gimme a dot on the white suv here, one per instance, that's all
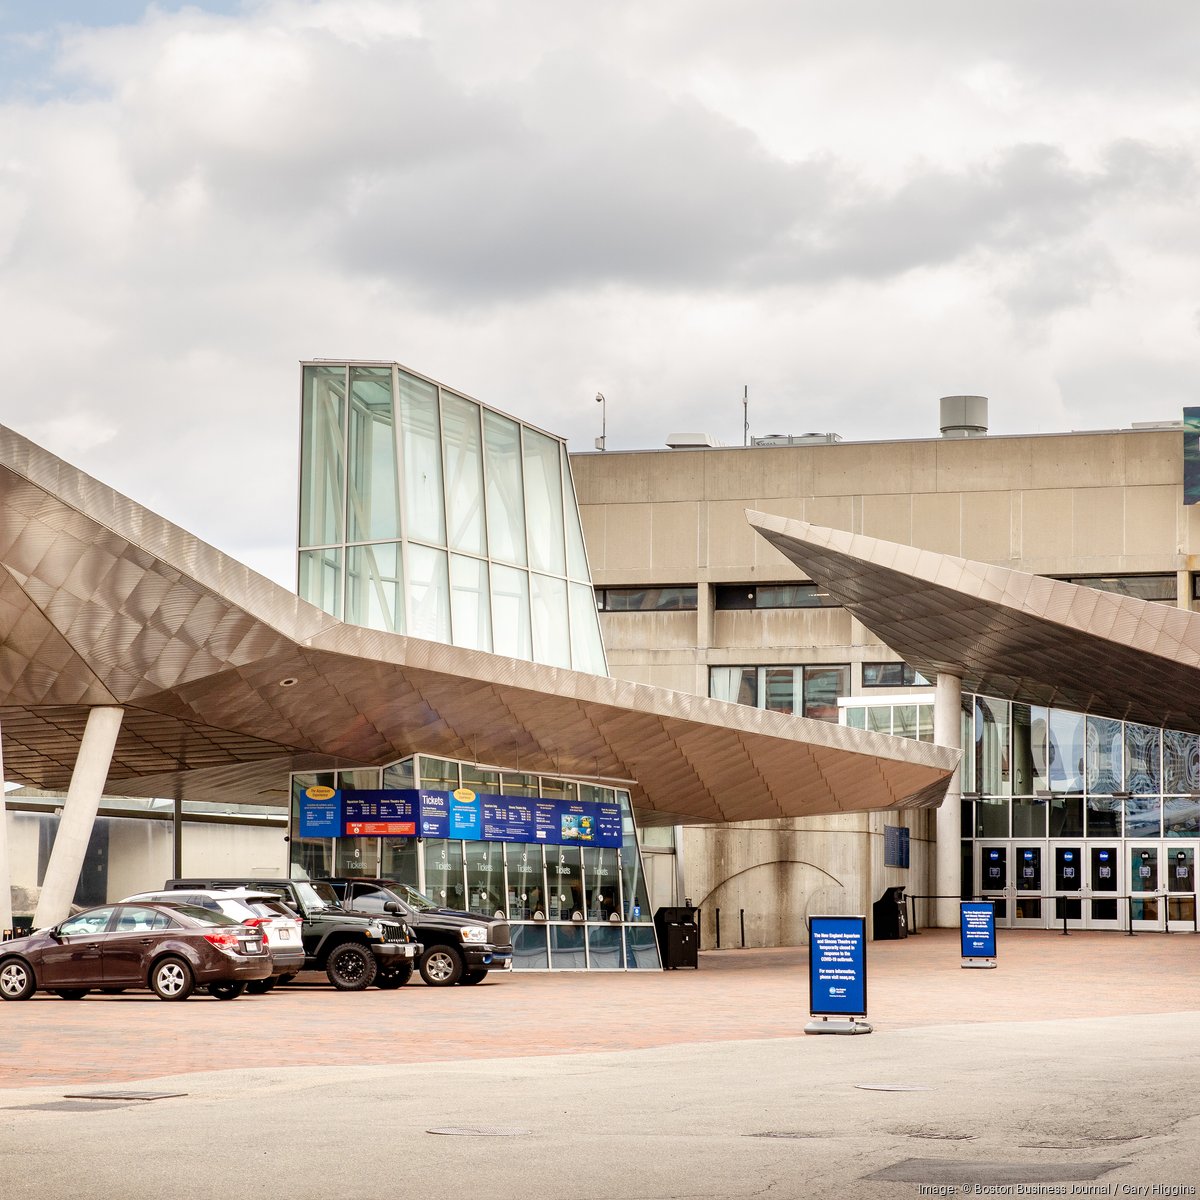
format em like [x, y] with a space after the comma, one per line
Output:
[263, 910]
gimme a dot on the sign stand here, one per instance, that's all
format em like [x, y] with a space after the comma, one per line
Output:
[977, 932]
[837, 975]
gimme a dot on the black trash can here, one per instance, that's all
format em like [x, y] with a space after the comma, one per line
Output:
[889, 915]
[678, 937]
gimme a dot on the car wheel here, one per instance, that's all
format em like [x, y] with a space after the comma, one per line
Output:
[72, 993]
[350, 967]
[16, 980]
[473, 977]
[260, 987]
[228, 990]
[441, 966]
[171, 978]
[390, 978]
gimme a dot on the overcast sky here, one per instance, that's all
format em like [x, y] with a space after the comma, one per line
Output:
[850, 208]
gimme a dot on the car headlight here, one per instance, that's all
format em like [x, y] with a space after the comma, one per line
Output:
[474, 933]
[375, 930]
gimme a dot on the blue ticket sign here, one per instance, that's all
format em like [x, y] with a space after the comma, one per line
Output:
[837, 966]
[321, 813]
[977, 928]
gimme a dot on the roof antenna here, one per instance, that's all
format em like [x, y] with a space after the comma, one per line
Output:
[745, 414]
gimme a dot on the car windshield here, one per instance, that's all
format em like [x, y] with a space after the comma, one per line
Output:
[413, 898]
[270, 908]
[202, 916]
[316, 895]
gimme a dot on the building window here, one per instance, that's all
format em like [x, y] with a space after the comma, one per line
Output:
[892, 674]
[647, 599]
[810, 691]
[734, 596]
[1159, 588]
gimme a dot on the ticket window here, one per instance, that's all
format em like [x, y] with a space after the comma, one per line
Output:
[1029, 880]
[1181, 884]
[994, 876]
[1068, 877]
[1143, 879]
[1104, 879]
[526, 883]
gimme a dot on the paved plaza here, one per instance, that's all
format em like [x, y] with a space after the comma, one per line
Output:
[1069, 1070]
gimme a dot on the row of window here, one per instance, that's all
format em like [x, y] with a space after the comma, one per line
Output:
[808, 690]
[1075, 817]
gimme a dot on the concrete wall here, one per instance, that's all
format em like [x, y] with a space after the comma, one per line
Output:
[1070, 504]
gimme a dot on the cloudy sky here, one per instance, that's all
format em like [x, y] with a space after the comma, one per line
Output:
[850, 208]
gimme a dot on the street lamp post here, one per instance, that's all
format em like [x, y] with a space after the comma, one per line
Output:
[603, 421]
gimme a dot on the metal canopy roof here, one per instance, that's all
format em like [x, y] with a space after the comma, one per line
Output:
[1008, 633]
[229, 681]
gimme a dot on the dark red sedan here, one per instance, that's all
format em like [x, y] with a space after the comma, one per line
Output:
[170, 948]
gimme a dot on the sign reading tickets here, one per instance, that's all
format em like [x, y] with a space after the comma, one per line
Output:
[837, 966]
[463, 815]
[977, 928]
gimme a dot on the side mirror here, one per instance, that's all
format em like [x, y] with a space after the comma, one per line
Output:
[392, 907]
[55, 933]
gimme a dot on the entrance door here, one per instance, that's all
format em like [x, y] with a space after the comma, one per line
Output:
[1028, 905]
[1068, 883]
[993, 878]
[1104, 910]
[1181, 887]
[1145, 907]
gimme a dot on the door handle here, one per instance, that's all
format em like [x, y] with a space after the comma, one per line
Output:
[147, 941]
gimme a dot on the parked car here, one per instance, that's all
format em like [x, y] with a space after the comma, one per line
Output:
[281, 928]
[171, 949]
[353, 949]
[460, 947]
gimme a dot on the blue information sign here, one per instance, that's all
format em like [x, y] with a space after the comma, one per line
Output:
[837, 966]
[321, 818]
[977, 928]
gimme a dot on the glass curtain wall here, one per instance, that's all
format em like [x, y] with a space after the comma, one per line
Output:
[426, 513]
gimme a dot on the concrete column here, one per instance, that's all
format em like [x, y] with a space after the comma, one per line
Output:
[947, 731]
[78, 815]
[6, 915]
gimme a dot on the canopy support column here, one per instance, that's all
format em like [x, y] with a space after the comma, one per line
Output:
[947, 731]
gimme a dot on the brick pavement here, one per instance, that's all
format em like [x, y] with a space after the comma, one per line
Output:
[736, 995]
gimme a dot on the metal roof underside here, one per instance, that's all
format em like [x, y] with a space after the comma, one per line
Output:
[105, 603]
[1008, 633]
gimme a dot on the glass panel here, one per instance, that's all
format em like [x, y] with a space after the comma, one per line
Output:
[551, 630]
[633, 881]
[321, 579]
[423, 516]
[648, 599]
[374, 587]
[464, 474]
[605, 948]
[309, 857]
[992, 775]
[559, 789]
[1066, 816]
[1181, 762]
[526, 882]
[1103, 817]
[603, 883]
[736, 684]
[587, 650]
[543, 502]
[366, 779]
[879, 718]
[1029, 818]
[822, 687]
[1025, 779]
[991, 818]
[567, 951]
[511, 634]
[779, 687]
[439, 774]
[479, 779]
[428, 594]
[1065, 750]
[321, 455]
[357, 856]
[1142, 774]
[1143, 817]
[1104, 754]
[400, 859]
[1143, 877]
[485, 878]
[530, 948]
[577, 565]
[1181, 816]
[470, 603]
[505, 508]
[518, 785]
[856, 718]
[372, 498]
[401, 774]
[966, 728]
[641, 949]
[564, 879]
[904, 720]
[444, 872]
[925, 722]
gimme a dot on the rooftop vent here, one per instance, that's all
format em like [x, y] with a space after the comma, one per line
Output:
[964, 416]
[691, 441]
[797, 439]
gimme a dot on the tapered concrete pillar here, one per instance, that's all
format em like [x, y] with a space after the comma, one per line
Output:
[947, 731]
[78, 815]
[6, 914]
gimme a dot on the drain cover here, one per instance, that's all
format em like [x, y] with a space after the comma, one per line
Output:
[967, 1175]
[479, 1131]
[122, 1095]
[892, 1087]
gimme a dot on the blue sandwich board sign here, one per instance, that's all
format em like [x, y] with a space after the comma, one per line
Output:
[837, 966]
[977, 932]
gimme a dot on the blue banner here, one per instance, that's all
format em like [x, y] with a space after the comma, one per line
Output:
[321, 816]
[837, 966]
[977, 928]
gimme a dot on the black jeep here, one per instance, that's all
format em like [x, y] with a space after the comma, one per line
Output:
[460, 947]
[354, 949]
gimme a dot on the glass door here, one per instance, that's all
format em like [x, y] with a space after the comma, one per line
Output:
[992, 873]
[1145, 904]
[1181, 887]
[1028, 906]
[1068, 882]
[1104, 908]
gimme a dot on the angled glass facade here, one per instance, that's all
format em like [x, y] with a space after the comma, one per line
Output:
[426, 513]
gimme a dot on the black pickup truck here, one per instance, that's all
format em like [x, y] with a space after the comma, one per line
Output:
[354, 949]
[460, 947]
